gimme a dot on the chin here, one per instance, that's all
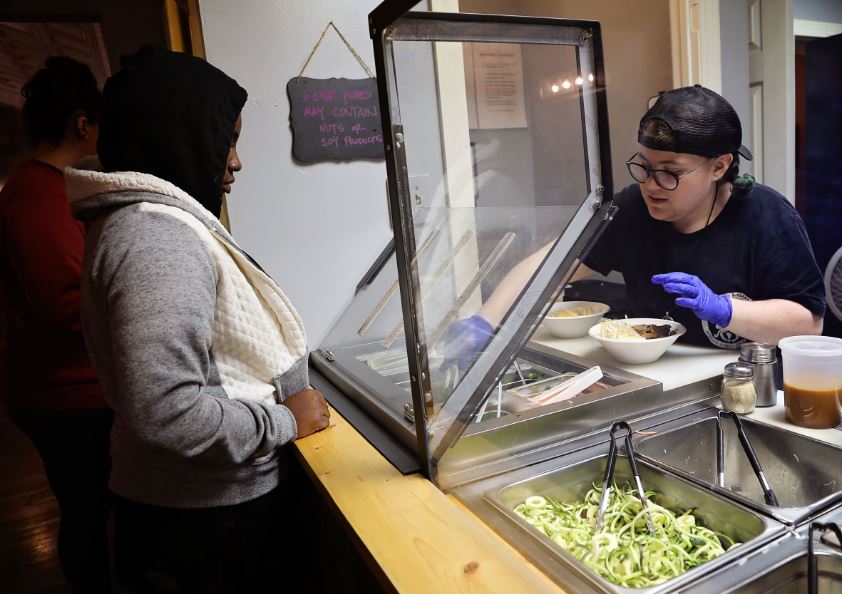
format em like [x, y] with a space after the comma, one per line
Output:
[658, 214]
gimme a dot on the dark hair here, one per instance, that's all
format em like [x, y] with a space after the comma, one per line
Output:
[733, 170]
[64, 89]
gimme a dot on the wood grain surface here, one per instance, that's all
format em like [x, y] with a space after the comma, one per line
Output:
[423, 540]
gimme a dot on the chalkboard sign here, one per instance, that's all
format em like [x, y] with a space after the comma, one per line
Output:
[334, 118]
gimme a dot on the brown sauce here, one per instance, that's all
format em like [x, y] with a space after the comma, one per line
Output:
[816, 409]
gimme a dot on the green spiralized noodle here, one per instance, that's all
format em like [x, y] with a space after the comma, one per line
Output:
[624, 552]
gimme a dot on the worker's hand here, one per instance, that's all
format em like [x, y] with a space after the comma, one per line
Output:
[464, 341]
[310, 410]
[696, 296]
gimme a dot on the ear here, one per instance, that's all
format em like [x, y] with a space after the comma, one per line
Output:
[82, 127]
[721, 165]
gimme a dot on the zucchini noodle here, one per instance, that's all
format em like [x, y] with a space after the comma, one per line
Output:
[624, 552]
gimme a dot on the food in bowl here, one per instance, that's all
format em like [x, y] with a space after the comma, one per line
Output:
[622, 329]
[623, 342]
[650, 331]
[575, 312]
[571, 319]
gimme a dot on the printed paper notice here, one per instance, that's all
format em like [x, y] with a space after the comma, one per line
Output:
[498, 72]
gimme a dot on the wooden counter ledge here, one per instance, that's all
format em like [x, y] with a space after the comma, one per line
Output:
[423, 540]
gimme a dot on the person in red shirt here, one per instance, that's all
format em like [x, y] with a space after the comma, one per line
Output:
[50, 389]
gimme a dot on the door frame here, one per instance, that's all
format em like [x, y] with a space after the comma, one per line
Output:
[817, 29]
[696, 46]
[183, 24]
[697, 59]
[184, 27]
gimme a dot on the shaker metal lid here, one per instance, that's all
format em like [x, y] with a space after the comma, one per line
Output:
[757, 352]
[738, 370]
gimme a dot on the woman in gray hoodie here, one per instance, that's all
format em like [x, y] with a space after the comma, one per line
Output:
[202, 357]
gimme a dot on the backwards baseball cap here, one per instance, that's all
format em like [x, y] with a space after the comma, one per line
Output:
[697, 121]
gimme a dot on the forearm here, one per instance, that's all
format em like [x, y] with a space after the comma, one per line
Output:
[501, 299]
[769, 321]
[504, 295]
[196, 423]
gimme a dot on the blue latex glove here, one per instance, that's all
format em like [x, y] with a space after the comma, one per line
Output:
[696, 296]
[464, 340]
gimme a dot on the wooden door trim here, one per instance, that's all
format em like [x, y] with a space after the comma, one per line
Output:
[184, 27]
[696, 44]
[805, 28]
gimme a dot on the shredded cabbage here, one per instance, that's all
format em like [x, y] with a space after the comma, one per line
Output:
[624, 552]
[618, 329]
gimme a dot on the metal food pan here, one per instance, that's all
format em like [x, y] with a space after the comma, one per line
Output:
[569, 477]
[805, 474]
[790, 576]
[781, 567]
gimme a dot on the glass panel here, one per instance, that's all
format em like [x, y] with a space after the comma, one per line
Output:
[495, 169]
[498, 168]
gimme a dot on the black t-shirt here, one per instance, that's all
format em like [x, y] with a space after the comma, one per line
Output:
[756, 249]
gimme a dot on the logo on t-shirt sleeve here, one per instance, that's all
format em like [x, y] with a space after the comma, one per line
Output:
[721, 337]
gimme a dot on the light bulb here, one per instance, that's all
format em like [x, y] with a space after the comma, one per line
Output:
[566, 84]
[579, 80]
[590, 77]
[554, 88]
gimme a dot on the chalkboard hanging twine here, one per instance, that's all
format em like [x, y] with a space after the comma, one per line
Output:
[342, 37]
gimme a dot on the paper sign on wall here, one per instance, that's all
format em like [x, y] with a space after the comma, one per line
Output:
[498, 78]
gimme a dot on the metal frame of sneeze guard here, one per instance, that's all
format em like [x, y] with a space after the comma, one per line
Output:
[391, 22]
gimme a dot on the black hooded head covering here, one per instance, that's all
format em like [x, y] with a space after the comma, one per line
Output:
[171, 115]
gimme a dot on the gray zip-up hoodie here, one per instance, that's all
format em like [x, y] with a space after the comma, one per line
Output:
[195, 346]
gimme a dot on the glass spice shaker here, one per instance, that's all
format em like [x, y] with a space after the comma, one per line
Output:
[738, 393]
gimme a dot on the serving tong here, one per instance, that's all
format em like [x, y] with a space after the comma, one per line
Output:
[609, 475]
[768, 493]
[812, 561]
[481, 413]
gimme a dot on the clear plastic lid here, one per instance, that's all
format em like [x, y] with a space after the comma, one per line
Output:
[812, 347]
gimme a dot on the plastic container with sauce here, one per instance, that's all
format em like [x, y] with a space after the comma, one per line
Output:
[812, 380]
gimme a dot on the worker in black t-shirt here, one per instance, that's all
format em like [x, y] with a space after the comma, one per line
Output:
[695, 241]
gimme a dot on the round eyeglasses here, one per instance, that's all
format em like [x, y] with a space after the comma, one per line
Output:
[665, 179]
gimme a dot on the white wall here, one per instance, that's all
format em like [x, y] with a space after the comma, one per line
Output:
[733, 35]
[638, 61]
[317, 228]
[818, 10]
[314, 228]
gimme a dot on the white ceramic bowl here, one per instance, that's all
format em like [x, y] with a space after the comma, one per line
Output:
[638, 351]
[575, 326]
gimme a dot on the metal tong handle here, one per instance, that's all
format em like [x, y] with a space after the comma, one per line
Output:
[720, 453]
[609, 475]
[768, 493]
[812, 561]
